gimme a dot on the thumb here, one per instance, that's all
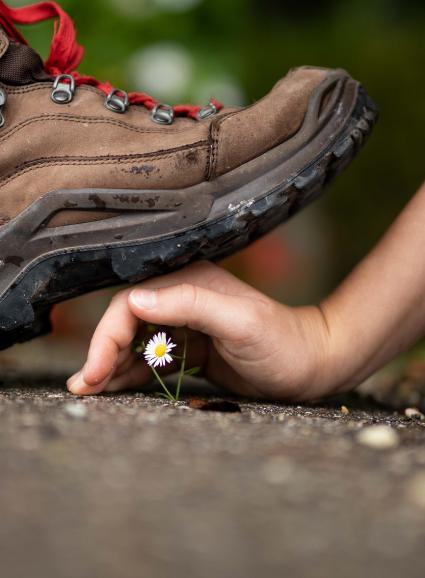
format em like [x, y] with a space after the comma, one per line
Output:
[201, 309]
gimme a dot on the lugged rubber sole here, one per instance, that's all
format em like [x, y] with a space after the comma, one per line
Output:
[249, 202]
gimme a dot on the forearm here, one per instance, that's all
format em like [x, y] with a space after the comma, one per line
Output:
[379, 310]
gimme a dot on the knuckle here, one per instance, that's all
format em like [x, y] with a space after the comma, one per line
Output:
[188, 295]
[193, 304]
[252, 321]
[256, 316]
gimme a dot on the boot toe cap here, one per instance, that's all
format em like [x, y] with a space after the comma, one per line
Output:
[249, 132]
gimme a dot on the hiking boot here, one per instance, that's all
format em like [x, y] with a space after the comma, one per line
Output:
[100, 187]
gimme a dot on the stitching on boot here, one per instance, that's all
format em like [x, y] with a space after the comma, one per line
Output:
[98, 161]
[84, 119]
[215, 129]
[210, 153]
[214, 142]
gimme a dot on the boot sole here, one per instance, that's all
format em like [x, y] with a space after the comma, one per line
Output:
[209, 221]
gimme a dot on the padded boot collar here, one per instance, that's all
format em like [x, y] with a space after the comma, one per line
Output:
[4, 42]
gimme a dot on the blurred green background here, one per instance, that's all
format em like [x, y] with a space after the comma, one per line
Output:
[235, 50]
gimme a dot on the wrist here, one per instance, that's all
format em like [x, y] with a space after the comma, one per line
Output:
[349, 348]
[334, 358]
[322, 350]
[310, 359]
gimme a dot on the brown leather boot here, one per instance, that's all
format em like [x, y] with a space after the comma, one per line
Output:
[100, 187]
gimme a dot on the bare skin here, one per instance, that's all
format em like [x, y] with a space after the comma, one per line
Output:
[252, 345]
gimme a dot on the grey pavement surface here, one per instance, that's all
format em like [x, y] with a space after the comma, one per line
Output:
[129, 485]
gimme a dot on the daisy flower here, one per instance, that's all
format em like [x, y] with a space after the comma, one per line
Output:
[157, 351]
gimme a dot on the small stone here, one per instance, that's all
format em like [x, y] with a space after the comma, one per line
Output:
[344, 410]
[414, 413]
[77, 410]
[380, 437]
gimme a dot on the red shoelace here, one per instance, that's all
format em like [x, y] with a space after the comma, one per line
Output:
[66, 54]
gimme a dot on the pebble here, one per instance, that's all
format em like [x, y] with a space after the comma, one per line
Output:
[380, 437]
[414, 413]
[77, 410]
[344, 410]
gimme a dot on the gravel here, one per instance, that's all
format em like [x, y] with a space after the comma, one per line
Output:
[380, 437]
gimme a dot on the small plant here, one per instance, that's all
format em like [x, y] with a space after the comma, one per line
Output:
[157, 353]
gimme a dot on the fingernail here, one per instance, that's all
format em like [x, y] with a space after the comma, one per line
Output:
[76, 381]
[144, 298]
[73, 378]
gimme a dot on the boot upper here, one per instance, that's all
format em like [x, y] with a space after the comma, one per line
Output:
[83, 144]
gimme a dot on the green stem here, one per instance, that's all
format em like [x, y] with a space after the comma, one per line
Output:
[169, 395]
[182, 368]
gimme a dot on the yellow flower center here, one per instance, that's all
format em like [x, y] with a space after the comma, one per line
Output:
[160, 350]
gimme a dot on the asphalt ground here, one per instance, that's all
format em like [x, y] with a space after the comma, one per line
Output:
[131, 485]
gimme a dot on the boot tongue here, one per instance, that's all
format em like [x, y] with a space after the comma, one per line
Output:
[19, 63]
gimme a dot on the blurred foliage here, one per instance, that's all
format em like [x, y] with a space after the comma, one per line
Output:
[254, 42]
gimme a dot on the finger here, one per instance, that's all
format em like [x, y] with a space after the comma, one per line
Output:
[111, 340]
[77, 385]
[210, 312]
[138, 375]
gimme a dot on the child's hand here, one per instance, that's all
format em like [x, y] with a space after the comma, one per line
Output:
[242, 340]
[252, 345]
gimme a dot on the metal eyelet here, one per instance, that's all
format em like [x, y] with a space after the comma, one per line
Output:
[3, 98]
[117, 101]
[163, 114]
[63, 89]
[207, 111]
